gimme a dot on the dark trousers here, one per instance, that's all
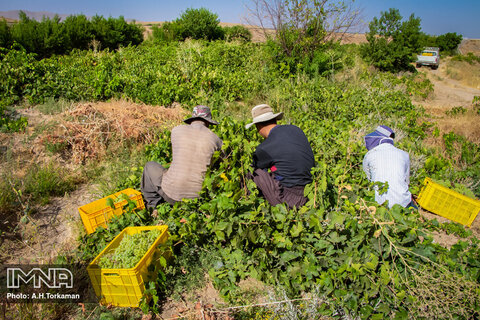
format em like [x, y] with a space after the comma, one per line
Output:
[275, 193]
[151, 185]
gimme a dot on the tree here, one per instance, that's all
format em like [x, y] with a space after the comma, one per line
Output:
[79, 31]
[199, 24]
[448, 42]
[302, 26]
[5, 34]
[115, 32]
[25, 32]
[392, 42]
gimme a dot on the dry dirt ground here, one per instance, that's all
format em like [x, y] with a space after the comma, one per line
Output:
[449, 93]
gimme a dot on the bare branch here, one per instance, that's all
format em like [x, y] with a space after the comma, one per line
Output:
[304, 25]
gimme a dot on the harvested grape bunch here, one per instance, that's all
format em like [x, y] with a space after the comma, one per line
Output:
[130, 250]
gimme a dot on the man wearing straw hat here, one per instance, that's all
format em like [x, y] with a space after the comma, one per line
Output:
[192, 148]
[283, 161]
[386, 163]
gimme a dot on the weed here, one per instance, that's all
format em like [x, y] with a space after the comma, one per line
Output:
[476, 104]
[56, 147]
[188, 270]
[7, 194]
[35, 311]
[464, 71]
[43, 128]
[53, 106]
[456, 111]
[121, 170]
[40, 183]
[469, 57]
[450, 228]
[10, 121]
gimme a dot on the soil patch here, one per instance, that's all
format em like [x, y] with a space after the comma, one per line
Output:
[447, 240]
[201, 304]
[449, 94]
[51, 230]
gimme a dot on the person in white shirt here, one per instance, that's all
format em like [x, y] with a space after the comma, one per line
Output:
[386, 163]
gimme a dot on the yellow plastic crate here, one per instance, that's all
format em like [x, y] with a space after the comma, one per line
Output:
[125, 287]
[98, 213]
[448, 203]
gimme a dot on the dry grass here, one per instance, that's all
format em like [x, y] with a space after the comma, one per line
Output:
[466, 73]
[467, 124]
[87, 130]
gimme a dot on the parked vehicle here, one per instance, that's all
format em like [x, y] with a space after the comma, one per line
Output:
[429, 57]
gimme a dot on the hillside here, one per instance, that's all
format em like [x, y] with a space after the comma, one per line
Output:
[37, 15]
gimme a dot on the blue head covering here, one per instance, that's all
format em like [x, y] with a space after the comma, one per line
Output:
[382, 134]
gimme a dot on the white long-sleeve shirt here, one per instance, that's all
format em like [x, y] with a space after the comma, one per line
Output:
[386, 163]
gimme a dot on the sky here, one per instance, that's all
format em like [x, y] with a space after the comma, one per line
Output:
[437, 16]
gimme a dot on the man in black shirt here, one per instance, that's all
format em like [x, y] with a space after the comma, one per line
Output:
[282, 161]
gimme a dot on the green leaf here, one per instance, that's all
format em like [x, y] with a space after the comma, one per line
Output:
[296, 229]
[222, 225]
[335, 218]
[110, 203]
[220, 235]
[372, 264]
[289, 255]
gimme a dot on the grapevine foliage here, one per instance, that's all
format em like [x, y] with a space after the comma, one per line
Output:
[365, 259]
[361, 258]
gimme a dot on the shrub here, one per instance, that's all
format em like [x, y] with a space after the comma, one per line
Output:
[5, 35]
[392, 43]
[239, 33]
[448, 42]
[50, 36]
[168, 31]
[199, 24]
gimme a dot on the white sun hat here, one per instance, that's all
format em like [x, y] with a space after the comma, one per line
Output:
[263, 113]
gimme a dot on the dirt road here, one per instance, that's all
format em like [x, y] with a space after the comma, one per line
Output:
[449, 93]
